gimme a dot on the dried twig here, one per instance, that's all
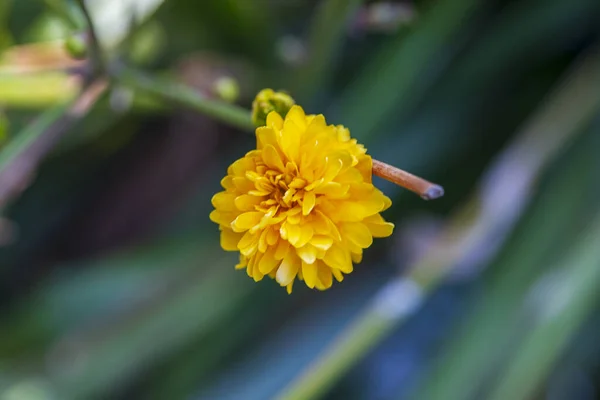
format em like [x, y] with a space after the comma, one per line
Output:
[420, 186]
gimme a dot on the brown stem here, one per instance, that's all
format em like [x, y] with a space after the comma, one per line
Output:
[425, 189]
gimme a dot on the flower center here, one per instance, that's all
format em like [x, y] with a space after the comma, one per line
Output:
[287, 189]
[280, 191]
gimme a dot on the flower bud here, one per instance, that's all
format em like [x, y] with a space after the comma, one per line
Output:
[76, 47]
[227, 89]
[268, 100]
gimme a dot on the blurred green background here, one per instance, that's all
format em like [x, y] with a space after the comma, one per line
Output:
[112, 281]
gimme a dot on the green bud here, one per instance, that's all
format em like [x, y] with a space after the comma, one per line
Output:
[76, 47]
[227, 89]
[268, 100]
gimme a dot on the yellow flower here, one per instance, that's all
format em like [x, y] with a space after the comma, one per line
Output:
[302, 204]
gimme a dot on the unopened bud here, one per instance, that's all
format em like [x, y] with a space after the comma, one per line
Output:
[268, 100]
[76, 47]
[227, 89]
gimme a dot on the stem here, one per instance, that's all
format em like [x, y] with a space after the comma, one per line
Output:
[190, 98]
[420, 186]
[96, 55]
[241, 118]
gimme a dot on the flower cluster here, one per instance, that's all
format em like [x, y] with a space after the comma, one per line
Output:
[302, 204]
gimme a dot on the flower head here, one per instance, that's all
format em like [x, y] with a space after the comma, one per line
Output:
[302, 204]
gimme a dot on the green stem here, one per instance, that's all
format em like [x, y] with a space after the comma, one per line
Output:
[96, 54]
[185, 96]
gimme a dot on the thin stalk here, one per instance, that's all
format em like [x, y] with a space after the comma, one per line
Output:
[241, 118]
[96, 55]
[187, 97]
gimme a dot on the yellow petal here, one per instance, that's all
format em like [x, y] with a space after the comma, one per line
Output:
[239, 167]
[263, 185]
[246, 221]
[354, 211]
[307, 253]
[248, 244]
[294, 219]
[229, 239]
[272, 237]
[300, 235]
[227, 182]
[381, 230]
[257, 275]
[222, 218]
[274, 120]
[308, 203]
[315, 127]
[325, 277]
[262, 241]
[324, 226]
[387, 203]
[321, 242]
[247, 202]
[356, 257]
[337, 257]
[242, 184]
[338, 275]
[289, 140]
[297, 115]
[272, 158]
[289, 288]
[378, 226]
[365, 167]
[335, 162]
[268, 262]
[286, 273]
[357, 233]
[224, 201]
[309, 273]
[243, 262]
[332, 190]
[265, 135]
[352, 175]
[282, 249]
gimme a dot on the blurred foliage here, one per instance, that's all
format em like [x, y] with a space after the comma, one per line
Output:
[112, 282]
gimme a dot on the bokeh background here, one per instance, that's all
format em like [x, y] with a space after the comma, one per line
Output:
[112, 281]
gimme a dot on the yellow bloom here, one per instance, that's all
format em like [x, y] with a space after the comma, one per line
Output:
[302, 204]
